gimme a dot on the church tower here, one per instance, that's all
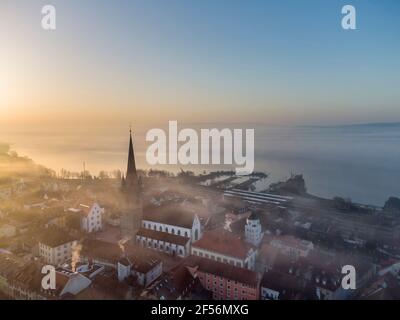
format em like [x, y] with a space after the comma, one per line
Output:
[252, 229]
[131, 218]
[131, 174]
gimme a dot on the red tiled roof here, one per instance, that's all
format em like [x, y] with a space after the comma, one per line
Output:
[226, 271]
[224, 242]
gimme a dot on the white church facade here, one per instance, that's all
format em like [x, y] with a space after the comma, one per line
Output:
[169, 229]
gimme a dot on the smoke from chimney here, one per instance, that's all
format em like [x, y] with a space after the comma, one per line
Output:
[122, 242]
[76, 253]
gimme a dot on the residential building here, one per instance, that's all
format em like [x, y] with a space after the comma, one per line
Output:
[128, 260]
[146, 271]
[56, 246]
[68, 283]
[178, 283]
[226, 282]
[92, 216]
[281, 286]
[18, 280]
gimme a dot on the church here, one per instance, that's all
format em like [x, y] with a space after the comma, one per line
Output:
[131, 187]
[170, 229]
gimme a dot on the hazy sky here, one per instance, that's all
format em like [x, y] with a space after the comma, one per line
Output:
[279, 62]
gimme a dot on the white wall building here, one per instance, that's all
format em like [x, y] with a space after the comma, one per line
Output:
[145, 271]
[92, 218]
[56, 247]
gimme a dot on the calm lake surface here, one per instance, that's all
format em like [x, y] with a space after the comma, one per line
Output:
[361, 162]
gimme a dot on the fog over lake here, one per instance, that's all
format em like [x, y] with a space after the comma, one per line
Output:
[361, 162]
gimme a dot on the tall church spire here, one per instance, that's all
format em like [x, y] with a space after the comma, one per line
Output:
[131, 218]
[131, 174]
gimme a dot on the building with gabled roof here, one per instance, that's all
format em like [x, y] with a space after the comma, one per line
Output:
[179, 283]
[18, 280]
[91, 220]
[224, 246]
[127, 259]
[170, 229]
[56, 246]
[226, 282]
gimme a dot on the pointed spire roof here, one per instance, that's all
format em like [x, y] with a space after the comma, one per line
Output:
[131, 173]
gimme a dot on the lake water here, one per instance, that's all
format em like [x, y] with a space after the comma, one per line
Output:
[361, 162]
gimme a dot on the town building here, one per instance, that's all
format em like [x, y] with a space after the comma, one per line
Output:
[280, 286]
[100, 289]
[253, 231]
[145, 271]
[56, 246]
[226, 282]
[170, 229]
[126, 259]
[223, 246]
[179, 283]
[321, 274]
[19, 281]
[68, 283]
[91, 220]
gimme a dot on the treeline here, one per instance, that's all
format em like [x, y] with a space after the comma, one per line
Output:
[150, 173]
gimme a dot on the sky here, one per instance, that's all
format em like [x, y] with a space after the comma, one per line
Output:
[285, 62]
